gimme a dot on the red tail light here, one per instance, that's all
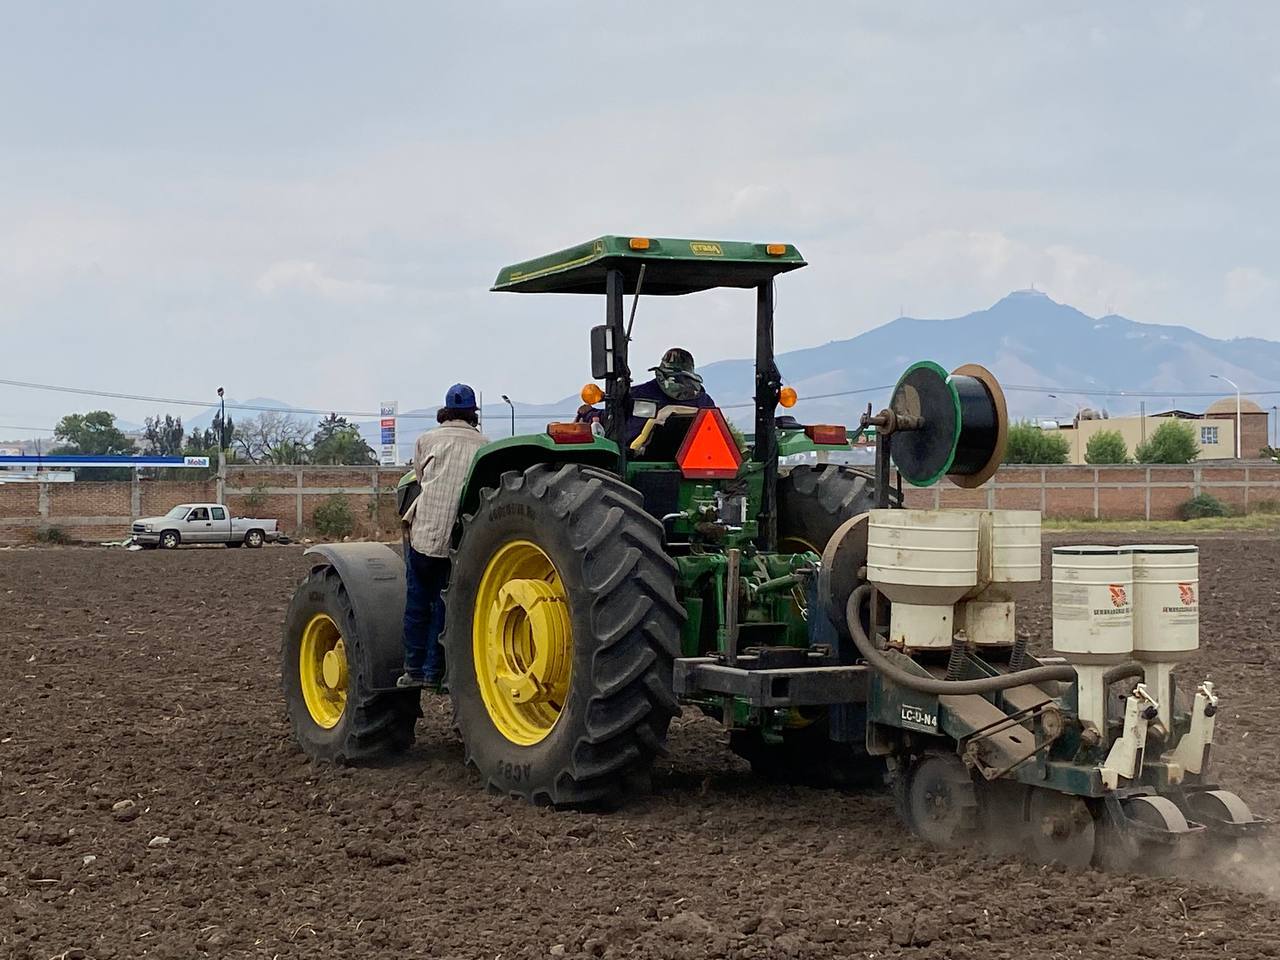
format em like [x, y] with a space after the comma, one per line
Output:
[569, 432]
[709, 451]
[828, 434]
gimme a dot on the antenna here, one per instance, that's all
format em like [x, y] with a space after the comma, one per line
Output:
[636, 301]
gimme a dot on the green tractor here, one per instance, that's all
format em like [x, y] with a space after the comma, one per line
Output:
[604, 574]
[587, 562]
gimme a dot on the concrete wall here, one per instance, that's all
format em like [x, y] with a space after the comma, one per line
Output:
[103, 511]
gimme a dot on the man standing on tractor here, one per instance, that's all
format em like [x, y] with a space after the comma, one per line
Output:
[441, 459]
[674, 384]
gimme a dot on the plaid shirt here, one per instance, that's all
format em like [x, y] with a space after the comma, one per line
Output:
[441, 459]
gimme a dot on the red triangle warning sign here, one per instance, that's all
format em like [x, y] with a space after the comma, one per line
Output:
[709, 451]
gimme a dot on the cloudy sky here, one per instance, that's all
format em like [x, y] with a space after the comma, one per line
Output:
[309, 201]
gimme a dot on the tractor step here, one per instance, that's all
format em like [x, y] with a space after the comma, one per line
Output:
[819, 683]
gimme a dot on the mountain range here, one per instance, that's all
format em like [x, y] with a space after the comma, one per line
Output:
[1034, 345]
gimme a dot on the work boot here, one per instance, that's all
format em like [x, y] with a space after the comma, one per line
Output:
[407, 681]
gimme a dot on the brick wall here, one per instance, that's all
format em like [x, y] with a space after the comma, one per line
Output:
[19, 500]
[1112, 492]
[102, 511]
[160, 496]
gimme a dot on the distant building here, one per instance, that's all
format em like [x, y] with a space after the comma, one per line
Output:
[1215, 430]
[1253, 423]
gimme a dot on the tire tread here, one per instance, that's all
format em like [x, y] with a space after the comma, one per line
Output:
[635, 628]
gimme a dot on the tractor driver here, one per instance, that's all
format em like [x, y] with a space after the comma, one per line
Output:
[674, 384]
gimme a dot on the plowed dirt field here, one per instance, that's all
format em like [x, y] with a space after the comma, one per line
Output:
[153, 804]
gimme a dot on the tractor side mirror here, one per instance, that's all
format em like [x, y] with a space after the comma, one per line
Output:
[602, 353]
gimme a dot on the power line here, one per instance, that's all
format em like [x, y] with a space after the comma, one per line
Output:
[10, 426]
[143, 398]
[205, 404]
[1092, 392]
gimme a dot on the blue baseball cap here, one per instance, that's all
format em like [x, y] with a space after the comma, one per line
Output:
[460, 397]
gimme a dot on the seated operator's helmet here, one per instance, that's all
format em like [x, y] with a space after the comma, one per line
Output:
[675, 375]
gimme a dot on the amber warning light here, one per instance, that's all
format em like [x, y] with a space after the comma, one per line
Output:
[570, 432]
[709, 451]
[828, 434]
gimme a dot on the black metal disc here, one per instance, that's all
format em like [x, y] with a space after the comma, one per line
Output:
[937, 798]
[924, 456]
[1059, 829]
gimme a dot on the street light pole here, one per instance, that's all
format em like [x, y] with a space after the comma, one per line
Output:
[1215, 376]
[222, 421]
[1275, 427]
[507, 401]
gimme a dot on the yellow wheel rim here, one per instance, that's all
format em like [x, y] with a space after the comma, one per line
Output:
[522, 642]
[322, 666]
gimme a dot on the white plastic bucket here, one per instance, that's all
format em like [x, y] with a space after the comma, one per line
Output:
[923, 556]
[1166, 601]
[1015, 546]
[1092, 603]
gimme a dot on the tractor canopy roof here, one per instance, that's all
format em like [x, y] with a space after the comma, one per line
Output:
[671, 266]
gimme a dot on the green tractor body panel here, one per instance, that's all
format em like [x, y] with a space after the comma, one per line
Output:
[687, 266]
[519, 453]
[793, 442]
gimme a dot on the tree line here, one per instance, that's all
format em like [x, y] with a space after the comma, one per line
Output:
[1174, 441]
[269, 437]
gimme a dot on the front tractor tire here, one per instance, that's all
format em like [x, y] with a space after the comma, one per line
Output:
[561, 627]
[335, 714]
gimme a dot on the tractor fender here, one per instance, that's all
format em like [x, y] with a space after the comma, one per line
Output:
[519, 453]
[373, 576]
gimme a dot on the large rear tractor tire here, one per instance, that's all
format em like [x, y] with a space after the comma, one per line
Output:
[335, 714]
[561, 625]
[813, 501]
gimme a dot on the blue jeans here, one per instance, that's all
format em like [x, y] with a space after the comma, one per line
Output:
[424, 577]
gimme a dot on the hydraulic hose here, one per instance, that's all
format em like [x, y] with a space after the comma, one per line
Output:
[882, 664]
[1123, 671]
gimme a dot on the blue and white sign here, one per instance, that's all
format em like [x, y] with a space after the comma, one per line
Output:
[91, 460]
[389, 409]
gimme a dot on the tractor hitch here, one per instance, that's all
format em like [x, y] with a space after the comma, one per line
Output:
[817, 679]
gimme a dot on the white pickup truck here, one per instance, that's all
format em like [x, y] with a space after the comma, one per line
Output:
[202, 523]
